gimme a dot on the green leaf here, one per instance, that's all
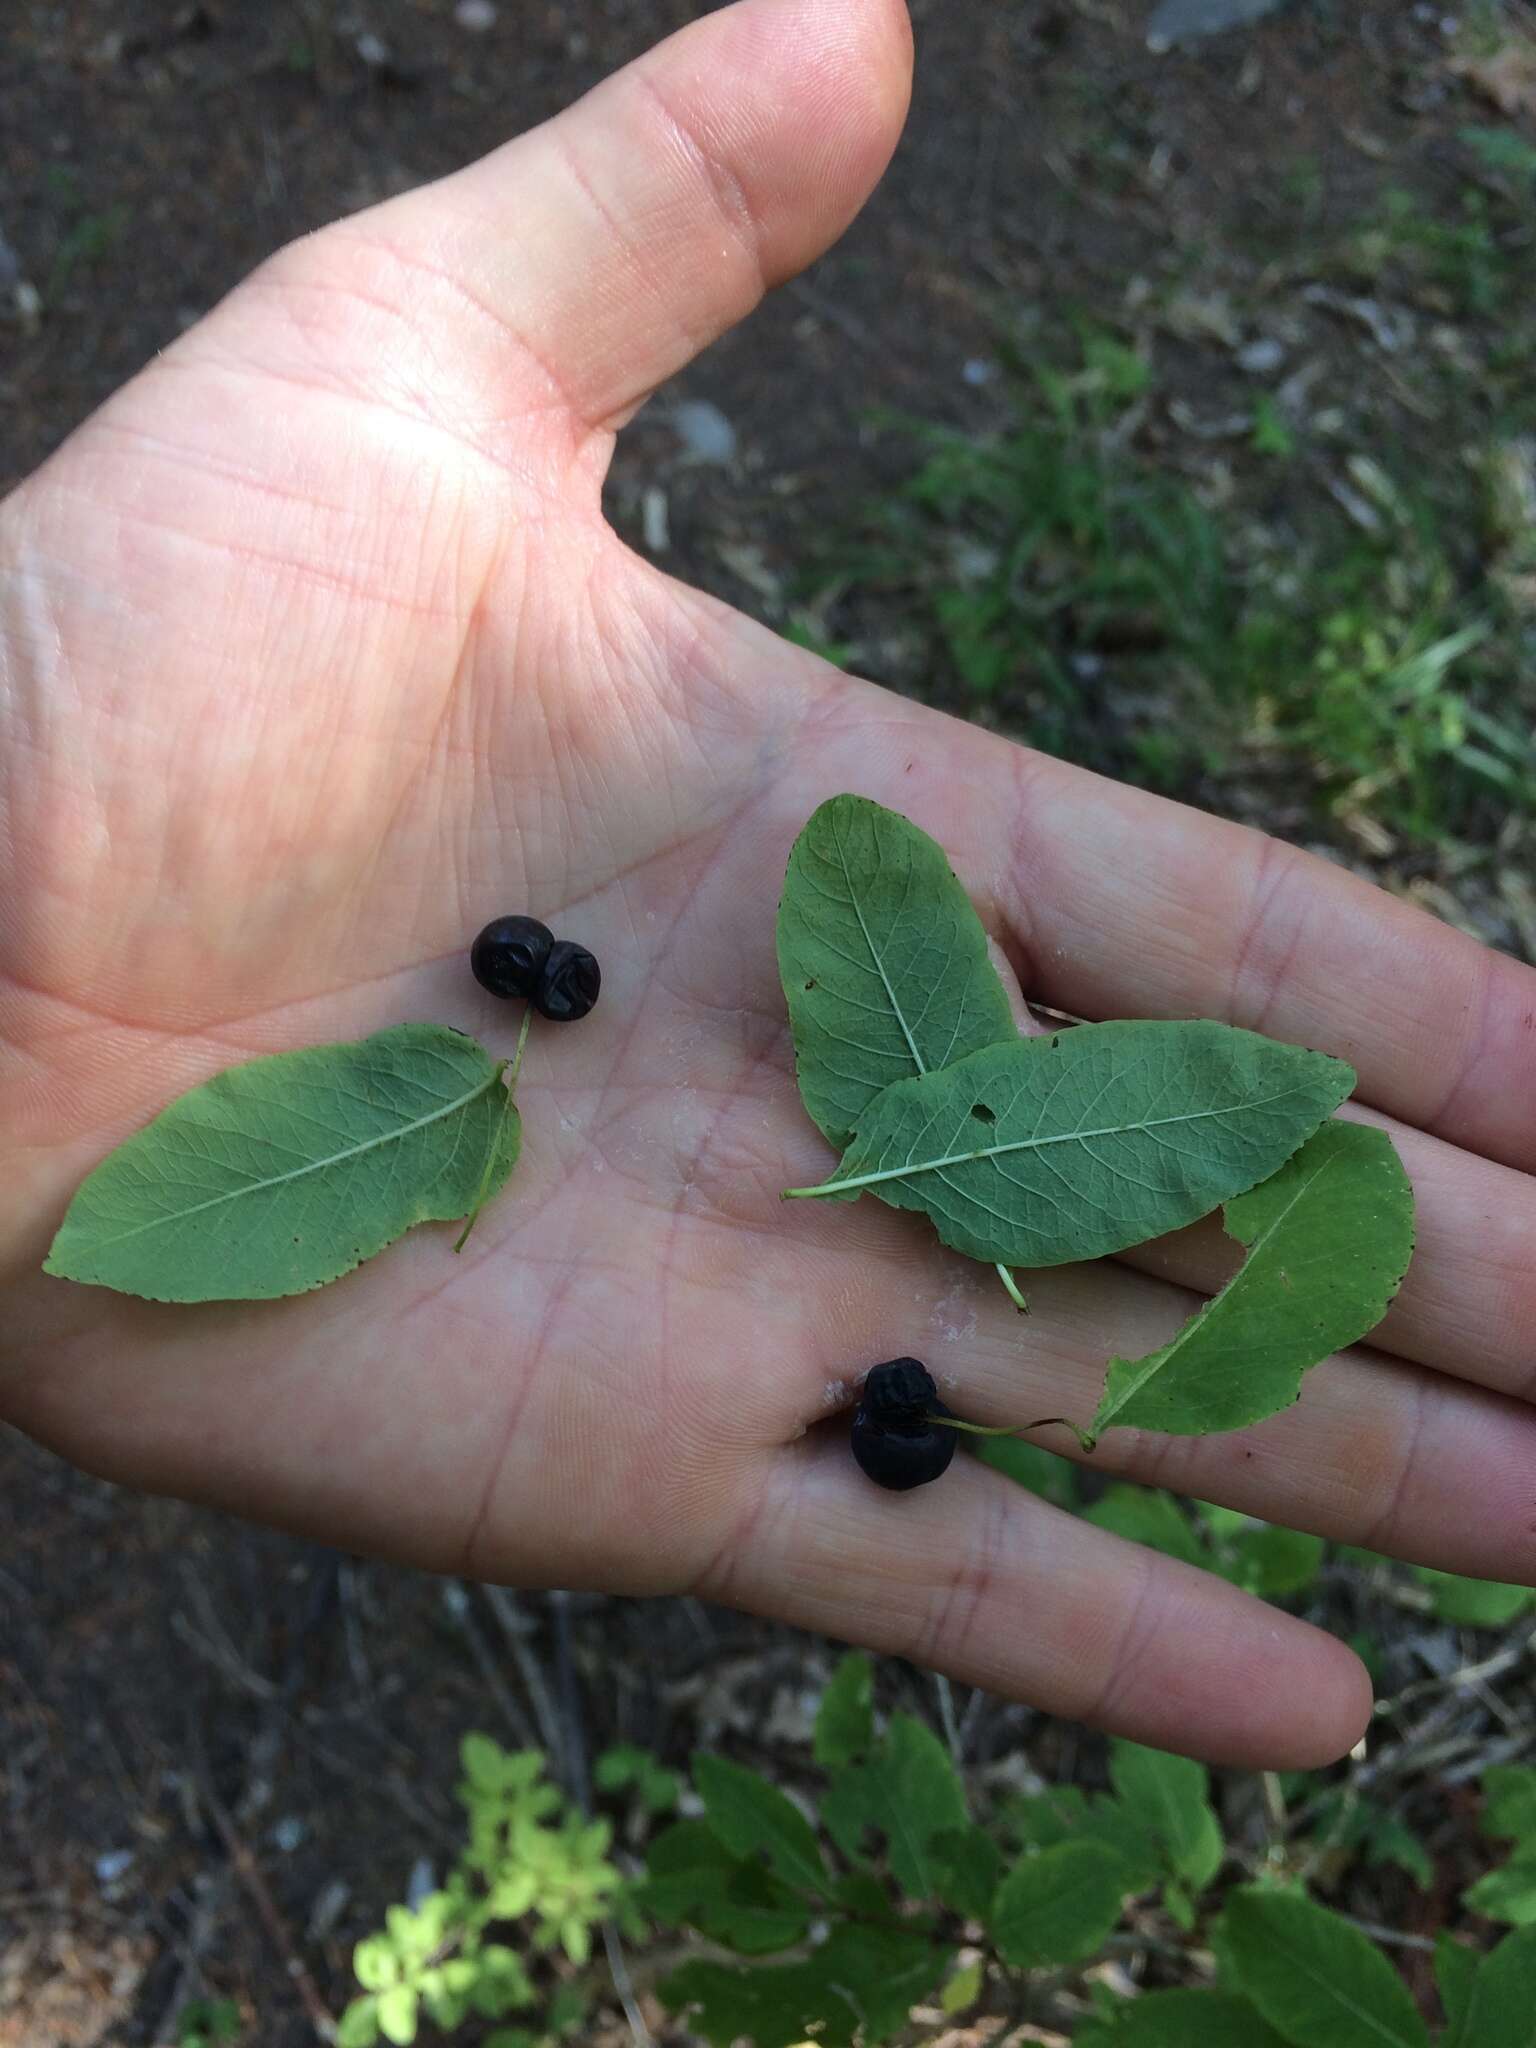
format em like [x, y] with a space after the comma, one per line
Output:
[208, 2023]
[576, 1939]
[1474, 1603]
[1144, 1515]
[1179, 2019]
[861, 1893]
[1045, 1150]
[752, 1817]
[1455, 1968]
[566, 2010]
[1317, 1980]
[883, 960]
[1509, 1794]
[1271, 1562]
[500, 1983]
[1508, 1893]
[487, 1766]
[627, 1765]
[963, 1989]
[375, 1964]
[845, 1719]
[1329, 1238]
[771, 2007]
[691, 1875]
[927, 1799]
[1179, 1905]
[1345, 1820]
[1053, 1478]
[1057, 1907]
[446, 2009]
[909, 1790]
[620, 1766]
[1500, 2004]
[660, 1790]
[358, 2026]
[1039, 1820]
[967, 1865]
[885, 1971]
[1066, 1814]
[284, 1173]
[397, 2014]
[1224, 1523]
[1168, 1795]
[864, 1979]
[1392, 1841]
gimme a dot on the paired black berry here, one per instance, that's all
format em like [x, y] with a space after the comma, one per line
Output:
[569, 984]
[896, 1441]
[519, 957]
[509, 955]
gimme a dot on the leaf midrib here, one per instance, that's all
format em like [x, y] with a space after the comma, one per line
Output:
[1327, 1985]
[874, 953]
[1198, 1323]
[1079, 1137]
[298, 1172]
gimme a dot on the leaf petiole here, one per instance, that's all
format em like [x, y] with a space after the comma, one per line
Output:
[508, 1085]
[1085, 1440]
[1011, 1289]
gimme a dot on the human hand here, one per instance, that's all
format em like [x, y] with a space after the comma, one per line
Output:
[315, 653]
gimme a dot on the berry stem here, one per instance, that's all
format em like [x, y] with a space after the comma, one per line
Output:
[517, 1051]
[509, 1082]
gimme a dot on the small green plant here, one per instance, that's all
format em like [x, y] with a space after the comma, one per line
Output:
[88, 235]
[1460, 263]
[208, 2023]
[1271, 434]
[1034, 554]
[1079, 585]
[1506, 151]
[530, 1864]
[629, 1769]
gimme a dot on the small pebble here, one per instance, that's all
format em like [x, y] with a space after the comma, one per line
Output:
[1262, 356]
[705, 432]
[113, 1865]
[475, 15]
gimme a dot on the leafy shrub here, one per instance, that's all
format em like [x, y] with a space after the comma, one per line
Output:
[888, 1890]
[530, 1863]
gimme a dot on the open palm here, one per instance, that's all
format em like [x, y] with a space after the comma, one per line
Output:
[317, 653]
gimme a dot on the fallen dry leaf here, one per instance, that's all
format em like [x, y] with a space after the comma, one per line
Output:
[1507, 75]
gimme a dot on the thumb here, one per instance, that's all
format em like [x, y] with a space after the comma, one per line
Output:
[599, 253]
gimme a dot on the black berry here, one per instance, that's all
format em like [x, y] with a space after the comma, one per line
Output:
[569, 984]
[510, 955]
[894, 1441]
